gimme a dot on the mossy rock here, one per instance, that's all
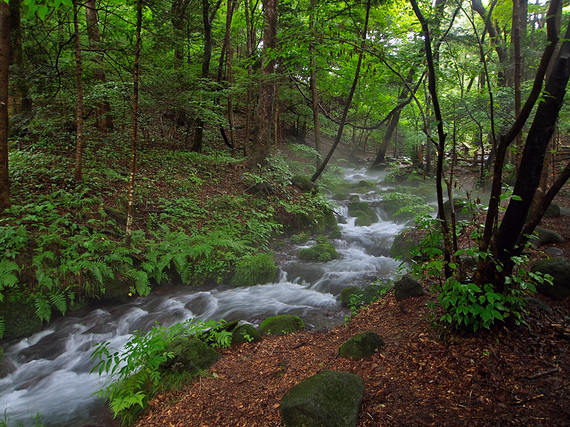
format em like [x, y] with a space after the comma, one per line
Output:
[209, 337]
[299, 239]
[282, 325]
[340, 196]
[407, 287]
[408, 239]
[365, 186]
[305, 184]
[245, 333]
[324, 250]
[327, 399]
[336, 234]
[117, 288]
[190, 355]
[362, 219]
[559, 269]
[552, 211]
[359, 297]
[20, 319]
[463, 210]
[255, 269]
[361, 346]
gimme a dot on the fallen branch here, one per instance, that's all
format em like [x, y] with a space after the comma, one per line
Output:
[542, 374]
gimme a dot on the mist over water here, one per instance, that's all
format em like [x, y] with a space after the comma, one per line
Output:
[48, 373]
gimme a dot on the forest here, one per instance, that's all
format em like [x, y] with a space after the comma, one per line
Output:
[160, 142]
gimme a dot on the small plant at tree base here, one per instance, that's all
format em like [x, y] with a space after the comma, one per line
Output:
[135, 372]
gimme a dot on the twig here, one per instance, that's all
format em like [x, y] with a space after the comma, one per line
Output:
[542, 374]
[520, 402]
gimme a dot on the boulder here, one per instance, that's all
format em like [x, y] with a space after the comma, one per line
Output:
[543, 236]
[282, 325]
[411, 238]
[554, 251]
[245, 333]
[559, 269]
[190, 355]
[255, 270]
[552, 211]
[361, 346]
[305, 184]
[324, 250]
[359, 297]
[408, 287]
[463, 210]
[328, 399]
[363, 209]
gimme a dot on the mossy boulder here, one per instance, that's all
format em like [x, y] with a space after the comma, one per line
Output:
[245, 333]
[544, 236]
[462, 208]
[416, 244]
[559, 269]
[357, 297]
[190, 355]
[305, 184]
[361, 346]
[552, 211]
[365, 186]
[282, 325]
[407, 287]
[20, 319]
[323, 250]
[299, 239]
[255, 269]
[327, 399]
[364, 214]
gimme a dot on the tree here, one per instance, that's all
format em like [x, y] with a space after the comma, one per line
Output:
[104, 120]
[264, 119]
[79, 102]
[4, 66]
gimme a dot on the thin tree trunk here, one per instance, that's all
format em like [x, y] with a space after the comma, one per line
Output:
[264, 120]
[104, 120]
[22, 102]
[349, 99]
[79, 101]
[132, 172]
[4, 67]
[313, 83]
[249, 48]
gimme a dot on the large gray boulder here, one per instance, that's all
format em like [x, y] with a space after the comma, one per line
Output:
[328, 399]
[361, 346]
[559, 269]
[408, 287]
[545, 236]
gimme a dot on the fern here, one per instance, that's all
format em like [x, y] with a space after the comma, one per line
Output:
[58, 300]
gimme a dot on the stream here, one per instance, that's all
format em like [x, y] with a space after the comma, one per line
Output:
[49, 381]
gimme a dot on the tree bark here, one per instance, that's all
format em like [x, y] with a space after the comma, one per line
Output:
[79, 100]
[22, 102]
[104, 120]
[313, 82]
[4, 67]
[133, 168]
[264, 121]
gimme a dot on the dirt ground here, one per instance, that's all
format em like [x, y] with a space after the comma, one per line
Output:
[424, 375]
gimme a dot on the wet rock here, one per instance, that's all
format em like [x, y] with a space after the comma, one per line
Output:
[361, 346]
[328, 399]
[358, 297]
[365, 215]
[282, 325]
[408, 287]
[409, 239]
[559, 269]
[324, 251]
[554, 251]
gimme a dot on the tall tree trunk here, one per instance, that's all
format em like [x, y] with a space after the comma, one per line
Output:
[104, 120]
[79, 101]
[178, 11]
[207, 19]
[348, 100]
[4, 67]
[249, 49]
[229, 73]
[133, 168]
[22, 101]
[313, 82]
[264, 120]
[518, 30]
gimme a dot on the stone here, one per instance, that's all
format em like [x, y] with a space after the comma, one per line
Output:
[359, 209]
[359, 297]
[408, 287]
[543, 236]
[305, 184]
[554, 251]
[282, 325]
[361, 346]
[255, 270]
[552, 211]
[190, 355]
[559, 269]
[245, 333]
[327, 399]
[408, 239]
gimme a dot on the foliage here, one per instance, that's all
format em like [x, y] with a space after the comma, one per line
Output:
[255, 269]
[135, 372]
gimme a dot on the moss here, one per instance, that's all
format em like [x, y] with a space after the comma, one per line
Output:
[20, 319]
[245, 333]
[255, 269]
[299, 239]
[365, 215]
[365, 187]
[281, 325]
[305, 184]
[336, 234]
[361, 346]
[322, 251]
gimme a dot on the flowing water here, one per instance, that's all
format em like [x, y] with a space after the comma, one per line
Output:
[47, 377]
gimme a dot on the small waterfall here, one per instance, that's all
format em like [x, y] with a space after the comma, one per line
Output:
[47, 374]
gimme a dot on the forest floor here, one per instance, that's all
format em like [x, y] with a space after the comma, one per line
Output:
[424, 375]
